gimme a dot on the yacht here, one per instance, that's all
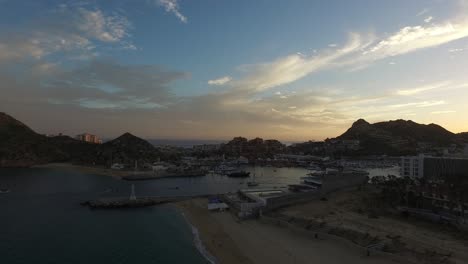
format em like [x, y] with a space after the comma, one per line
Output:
[312, 180]
[239, 174]
[253, 183]
[224, 169]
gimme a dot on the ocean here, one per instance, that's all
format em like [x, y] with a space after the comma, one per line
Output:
[42, 220]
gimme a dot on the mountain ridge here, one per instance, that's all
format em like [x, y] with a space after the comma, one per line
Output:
[23, 147]
[399, 136]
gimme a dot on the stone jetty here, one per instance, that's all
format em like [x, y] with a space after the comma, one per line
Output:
[113, 203]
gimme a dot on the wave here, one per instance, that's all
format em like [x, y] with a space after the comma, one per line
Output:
[199, 244]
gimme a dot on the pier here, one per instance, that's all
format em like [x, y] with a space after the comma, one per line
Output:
[135, 202]
[125, 202]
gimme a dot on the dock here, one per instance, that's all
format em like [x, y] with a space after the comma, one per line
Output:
[125, 202]
[110, 203]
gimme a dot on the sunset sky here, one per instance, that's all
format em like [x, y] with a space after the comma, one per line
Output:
[215, 69]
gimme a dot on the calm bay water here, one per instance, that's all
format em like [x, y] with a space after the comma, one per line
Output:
[42, 220]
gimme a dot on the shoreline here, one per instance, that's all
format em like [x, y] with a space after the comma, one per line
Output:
[116, 174]
[251, 241]
[198, 243]
[213, 239]
[96, 170]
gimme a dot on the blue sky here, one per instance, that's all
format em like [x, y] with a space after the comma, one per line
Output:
[293, 70]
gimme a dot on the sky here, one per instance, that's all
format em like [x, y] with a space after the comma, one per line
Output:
[292, 70]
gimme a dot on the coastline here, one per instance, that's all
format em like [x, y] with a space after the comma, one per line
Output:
[103, 171]
[232, 241]
[85, 169]
[214, 240]
[197, 240]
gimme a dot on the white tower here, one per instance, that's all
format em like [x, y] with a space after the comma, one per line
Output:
[132, 195]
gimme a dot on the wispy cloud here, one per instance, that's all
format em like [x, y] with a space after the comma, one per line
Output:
[85, 30]
[120, 90]
[111, 28]
[290, 68]
[419, 104]
[443, 112]
[107, 84]
[360, 52]
[172, 6]
[412, 38]
[421, 89]
[220, 81]
[428, 19]
[456, 50]
[122, 104]
[422, 12]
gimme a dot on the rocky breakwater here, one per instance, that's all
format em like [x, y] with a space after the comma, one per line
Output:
[114, 203]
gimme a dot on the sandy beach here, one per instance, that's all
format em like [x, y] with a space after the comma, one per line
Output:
[232, 241]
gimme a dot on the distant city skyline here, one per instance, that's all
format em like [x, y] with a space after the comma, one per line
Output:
[290, 70]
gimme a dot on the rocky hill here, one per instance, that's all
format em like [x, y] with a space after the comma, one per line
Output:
[126, 149]
[252, 149]
[20, 146]
[397, 136]
[462, 137]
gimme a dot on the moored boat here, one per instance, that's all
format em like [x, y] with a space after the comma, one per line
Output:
[239, 174]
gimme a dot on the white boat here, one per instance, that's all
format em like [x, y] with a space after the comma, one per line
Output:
[312, 180]
[224, 169]
[253, 183]
[313, 167]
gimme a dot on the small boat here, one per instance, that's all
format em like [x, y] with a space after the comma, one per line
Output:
[4, 190]
[253, 183]
[224, 169]
[239, 174]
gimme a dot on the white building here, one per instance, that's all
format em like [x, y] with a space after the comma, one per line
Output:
[434, 167]
[412, 166]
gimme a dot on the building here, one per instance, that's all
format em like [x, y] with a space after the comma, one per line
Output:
[306, 159]
[207, 147]
[89, 138]
[435, 168]
[53, 135]
[412, 166]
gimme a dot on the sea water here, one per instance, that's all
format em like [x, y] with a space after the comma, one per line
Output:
[42, 221]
